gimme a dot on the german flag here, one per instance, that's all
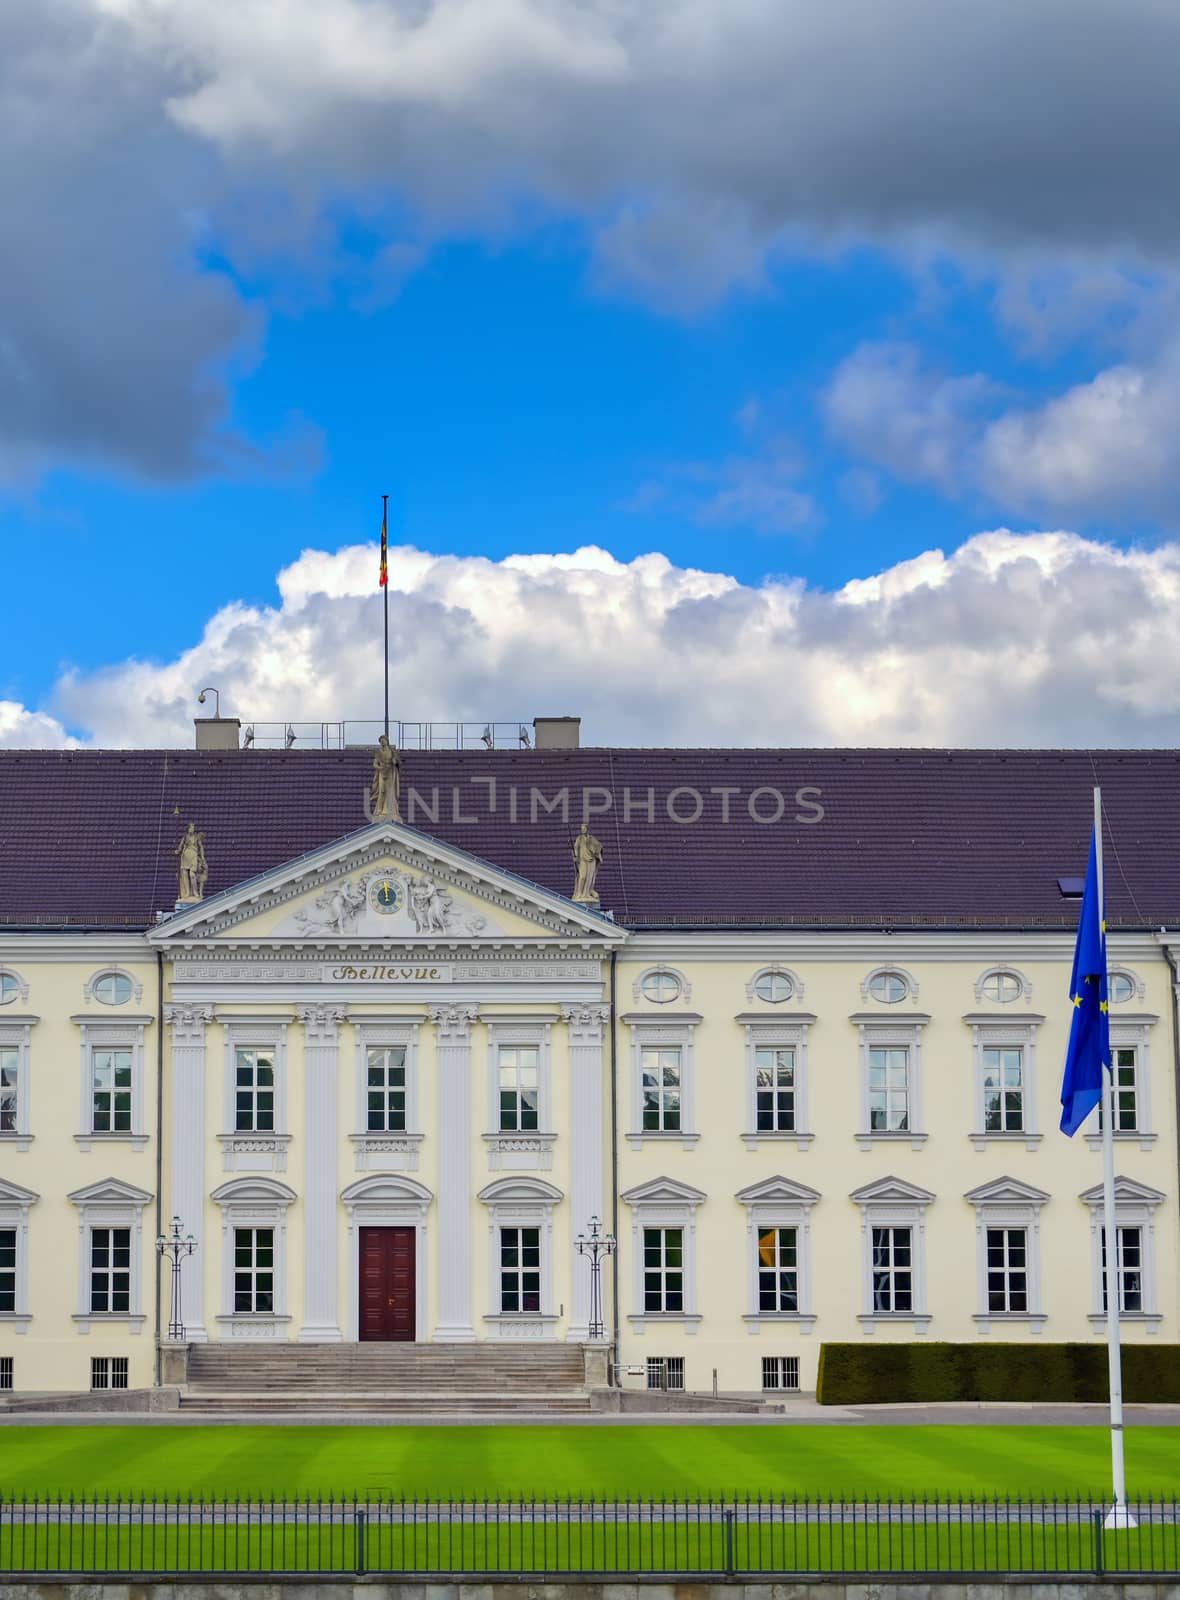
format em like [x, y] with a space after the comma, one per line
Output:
[383, 578]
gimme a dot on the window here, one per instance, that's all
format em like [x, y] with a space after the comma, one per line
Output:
[774, 987]
[110, 1270]
[663, 1269]
[254, 1091]
[780, 1372]
[10, 987]
[1003, 1089]
[889, 1089]
[254, 1270]
[109, 1372]
[112, 1091]
[1126, 1098]
[1135, 1270]
[774, 1108]
[520, 1269]
[1120, 988]
[1007, 1270]
[1001, 987]
[665, 1372]
[888, 987]
[5, 1372]
[661, 1067]
[893, 1276]
[385, 1089]
[520, 1087]
[1129, 1270]
[662, 987]
[9, 1086]
[778, 1270]
[7, 1269]
[112, 989]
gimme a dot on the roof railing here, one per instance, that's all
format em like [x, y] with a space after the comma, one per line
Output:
[302, 735]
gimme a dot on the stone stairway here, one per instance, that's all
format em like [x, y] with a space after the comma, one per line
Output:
[406, 1379]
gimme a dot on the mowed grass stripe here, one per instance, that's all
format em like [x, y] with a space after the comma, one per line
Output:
[615, 1462]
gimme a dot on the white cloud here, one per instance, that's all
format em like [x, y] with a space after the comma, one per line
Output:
[30, 730]
[1040, 639]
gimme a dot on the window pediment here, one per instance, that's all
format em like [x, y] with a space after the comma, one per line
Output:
[13, 1194]
[891, 1191]
[1126, 1192]
[517, 1191]
[778, 1190]
[664, 1191]
[110, 1192]
[253, 1191]
[1006, 1192]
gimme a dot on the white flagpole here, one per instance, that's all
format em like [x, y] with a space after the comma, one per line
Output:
[1119, 1516]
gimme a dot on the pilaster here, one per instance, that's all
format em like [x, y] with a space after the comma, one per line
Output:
[187, 1025]
[321, 1040]
[452, 1024]
[587, 1156]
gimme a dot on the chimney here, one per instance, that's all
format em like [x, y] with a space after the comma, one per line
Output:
[557, 733]
[217, 733]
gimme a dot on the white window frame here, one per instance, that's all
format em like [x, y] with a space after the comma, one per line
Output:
[1008, 1203]
[1131, 1033]
[911, 989]
[667, 1032]
[254, 1202]
[875, 1031]
[683, 998]
[789, 1032]
[1138, 988]
[117, 1033]
[22, 987]
[15, 1204]
[779, 1203]
[16, 1033]
[894, 1203]
[134, 998]
[664, 1203]
[1135, 1206]
[1003, 969]
[521, 1150]
[387, 1152]
[521, 1202]
[991, 1032]
[775, 970]
[110, 1203]
[248, 1151]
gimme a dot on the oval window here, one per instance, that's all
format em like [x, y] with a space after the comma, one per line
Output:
[660, 987]
[888, 987]
[773, 986]
[1001, 986]
[1121, 987]
[112, 989]
[9, 988]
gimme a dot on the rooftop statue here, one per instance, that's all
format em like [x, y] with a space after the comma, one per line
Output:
[194, 869]
[385, 793]
[587, 860]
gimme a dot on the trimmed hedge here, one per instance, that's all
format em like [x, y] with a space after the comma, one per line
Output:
[891, 1374]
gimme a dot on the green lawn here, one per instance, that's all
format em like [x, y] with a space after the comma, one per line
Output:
[622, 1462]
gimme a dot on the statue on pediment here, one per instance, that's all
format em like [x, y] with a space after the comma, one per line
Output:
[193, 867]
[385, 792]
[336, 910]
[587, 860]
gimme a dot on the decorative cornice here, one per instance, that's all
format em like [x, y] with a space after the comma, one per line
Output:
[321, 1023]
[453, 1022]
[188, 1022]
[585, 1022]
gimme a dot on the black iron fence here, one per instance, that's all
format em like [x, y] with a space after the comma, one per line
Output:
[571, 1538]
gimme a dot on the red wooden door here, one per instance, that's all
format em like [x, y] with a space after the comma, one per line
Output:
[387, 1291]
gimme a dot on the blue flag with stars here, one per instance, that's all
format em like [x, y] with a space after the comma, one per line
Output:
[1089, 1036]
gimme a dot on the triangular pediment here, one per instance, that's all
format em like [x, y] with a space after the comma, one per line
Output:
[1126, 1192]
[777, 1190]
[110, 1192]
[389, 883]
[891, 1191]
[1006, 1192]
[12, 1194]
[664, 1191]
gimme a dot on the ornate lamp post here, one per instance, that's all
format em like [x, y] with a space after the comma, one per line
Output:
[176, 1248]
[595, 1244]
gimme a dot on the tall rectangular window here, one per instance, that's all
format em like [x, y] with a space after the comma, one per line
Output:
[889, 1088]
[520, 1087]
[254, 1091]
[893, 1269]
[663, 1269]
[1126, 1091]
[7, 1269]
[661, 1067]
[110, 1269]
[778, 1269]
[1007, 1269]
[520, 1269]
[385, 1088]
[112, 1091]
[254, 1270]
[9, 1068]
[1003, 1089]
[774, 1090]
[1129, 1271]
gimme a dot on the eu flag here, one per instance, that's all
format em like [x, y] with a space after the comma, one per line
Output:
[1089, 1036]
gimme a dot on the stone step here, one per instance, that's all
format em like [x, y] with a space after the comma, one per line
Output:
[306, 1371]
[384, 1402]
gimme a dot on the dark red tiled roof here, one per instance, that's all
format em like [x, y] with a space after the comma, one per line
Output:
[939, 838]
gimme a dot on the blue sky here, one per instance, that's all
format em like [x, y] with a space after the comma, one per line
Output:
[537, 334]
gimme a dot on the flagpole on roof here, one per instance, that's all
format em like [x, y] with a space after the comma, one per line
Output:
[384, 582]
[1118, 1516]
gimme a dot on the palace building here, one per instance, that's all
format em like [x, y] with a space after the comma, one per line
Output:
[797, 1043]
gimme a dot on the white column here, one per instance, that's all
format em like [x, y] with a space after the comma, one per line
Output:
[321, 1036]
[452, 1026]
[587, 1156]
[187, 1024]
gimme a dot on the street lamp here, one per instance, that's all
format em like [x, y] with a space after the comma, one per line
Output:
[176, 1248]
[596, 1245]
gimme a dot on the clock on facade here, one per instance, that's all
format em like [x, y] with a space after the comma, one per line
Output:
[386, 895]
